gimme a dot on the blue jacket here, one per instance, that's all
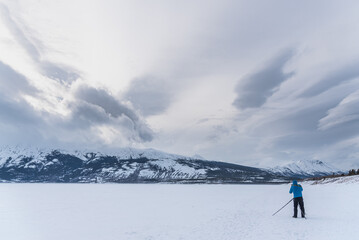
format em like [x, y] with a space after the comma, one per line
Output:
[296, 189]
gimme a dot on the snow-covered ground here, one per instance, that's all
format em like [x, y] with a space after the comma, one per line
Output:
[171, 212]
[337, 180]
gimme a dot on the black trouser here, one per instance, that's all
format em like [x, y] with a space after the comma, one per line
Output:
[296, 201]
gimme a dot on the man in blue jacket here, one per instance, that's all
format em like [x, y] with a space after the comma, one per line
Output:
[297, 189]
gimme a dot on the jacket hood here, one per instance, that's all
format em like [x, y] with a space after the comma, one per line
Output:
[295, 182]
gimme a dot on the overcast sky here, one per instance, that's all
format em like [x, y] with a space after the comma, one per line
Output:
[258, 83]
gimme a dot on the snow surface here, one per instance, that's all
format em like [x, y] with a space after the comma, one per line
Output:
[165, 211]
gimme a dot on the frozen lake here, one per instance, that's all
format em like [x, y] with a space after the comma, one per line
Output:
[170, 212]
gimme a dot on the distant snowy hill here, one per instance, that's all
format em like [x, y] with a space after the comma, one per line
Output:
[305, 168]
[338, 180]
[125, 165]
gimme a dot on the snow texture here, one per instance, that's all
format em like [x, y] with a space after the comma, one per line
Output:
[165, 211]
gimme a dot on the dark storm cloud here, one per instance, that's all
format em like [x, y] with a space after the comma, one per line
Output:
[55, 71]
[103, 99]
[113, 108]
[12, 83]
[254, 89]
[84, 115]
[150, 95]
[17, 113]
[333, 79]
[19, 121]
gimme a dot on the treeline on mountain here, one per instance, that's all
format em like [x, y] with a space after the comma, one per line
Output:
[353, 172]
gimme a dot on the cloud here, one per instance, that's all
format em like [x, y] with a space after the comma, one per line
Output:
[90, 112]
[55, 71]
[17, 113]
[84, 114]
[19, 35]
[150, 95]
[113, 107]
[101, 121]
[19, 121]
[345, 113]
[59, 72]
[254, 90]
[333, 79]
[103, 99]
[186, 88]
[13, 83]
[283, 120]
[304, 128]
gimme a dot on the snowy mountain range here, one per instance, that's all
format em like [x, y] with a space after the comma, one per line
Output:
[305, 168]
[128, 165]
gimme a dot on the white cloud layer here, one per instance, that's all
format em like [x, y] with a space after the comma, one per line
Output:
[346, 112]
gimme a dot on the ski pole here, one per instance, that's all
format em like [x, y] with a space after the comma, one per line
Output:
[282, 207]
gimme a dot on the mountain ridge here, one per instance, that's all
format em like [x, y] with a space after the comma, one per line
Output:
[125, 165]
[306, 168]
